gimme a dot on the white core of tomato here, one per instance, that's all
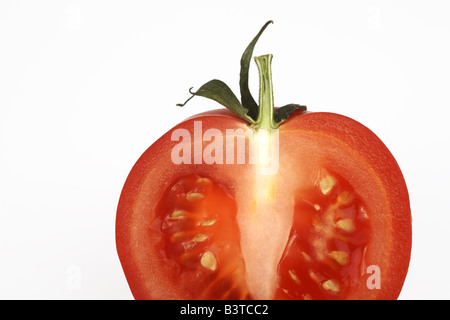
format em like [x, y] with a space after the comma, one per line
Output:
[264, 223]
[264, 227]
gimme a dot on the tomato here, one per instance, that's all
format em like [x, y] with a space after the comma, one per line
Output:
[329, 218]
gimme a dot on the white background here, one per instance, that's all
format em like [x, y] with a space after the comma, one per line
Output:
[87, 86]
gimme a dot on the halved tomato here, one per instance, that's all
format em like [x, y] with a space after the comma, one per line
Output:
[330, 219]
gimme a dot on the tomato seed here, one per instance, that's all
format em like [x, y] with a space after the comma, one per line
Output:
[209, 222]
[177, 236]
[203, 181]
[346, 225]
[200, 238]
[331, 285]
[326, 184]
[294, 277]
[178, 214]
[209, 261]
[194, 196]
[314, 277]
[341, 257]
[306, 256]
[345, 197]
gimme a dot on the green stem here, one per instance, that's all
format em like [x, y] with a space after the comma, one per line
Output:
[265, 117]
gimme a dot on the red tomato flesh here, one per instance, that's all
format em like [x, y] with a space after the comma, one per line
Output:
[337, 206]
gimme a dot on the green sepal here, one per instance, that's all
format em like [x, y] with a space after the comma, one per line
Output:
[218, 91]
[281, 114]
[246, 97]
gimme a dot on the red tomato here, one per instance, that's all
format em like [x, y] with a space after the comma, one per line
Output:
[333, 222]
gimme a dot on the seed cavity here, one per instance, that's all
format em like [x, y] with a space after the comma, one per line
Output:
[208, 261]
[326, 184]
[346, 225]
[331, 285]
[293, 276]
[340, 257]
[194, 196]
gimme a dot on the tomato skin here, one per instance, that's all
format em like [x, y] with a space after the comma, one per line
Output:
[150, 276]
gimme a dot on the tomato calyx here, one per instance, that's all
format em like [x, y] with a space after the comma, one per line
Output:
[262, 116]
